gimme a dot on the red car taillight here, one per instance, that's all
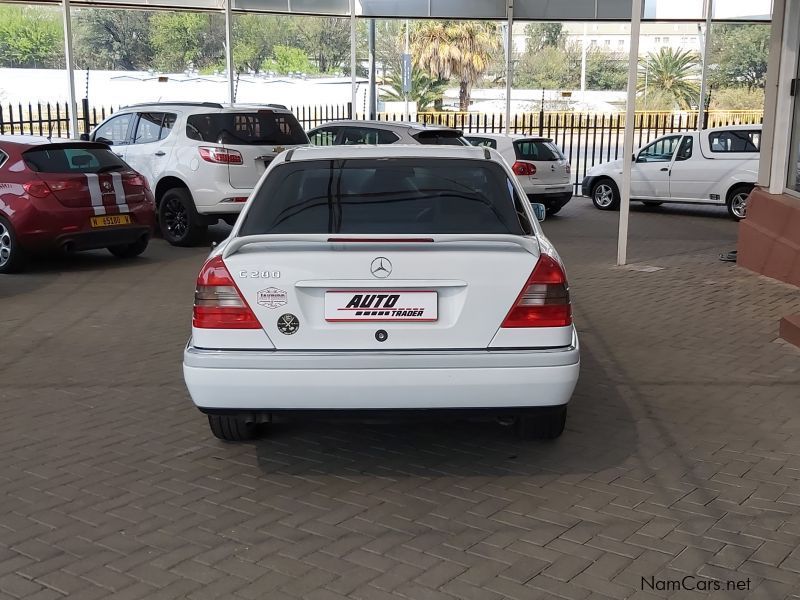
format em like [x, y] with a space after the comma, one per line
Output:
[42, 189]
[523, 168]
[544, 301]
[135, 180]
[222, 156]
[218, 304]
[569, 169]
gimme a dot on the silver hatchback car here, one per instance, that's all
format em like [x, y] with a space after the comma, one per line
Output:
[353, 133]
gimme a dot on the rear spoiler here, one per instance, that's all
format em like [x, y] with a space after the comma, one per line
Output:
[529, 244]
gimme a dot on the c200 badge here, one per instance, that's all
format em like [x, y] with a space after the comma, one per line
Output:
[272, 297]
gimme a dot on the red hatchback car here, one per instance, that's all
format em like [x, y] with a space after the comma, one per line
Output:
[69, 196]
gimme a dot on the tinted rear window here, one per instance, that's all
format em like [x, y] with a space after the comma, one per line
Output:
[383, 196]
[246, 128]
[735, 140]
[537, 150]
[441, 138]
[72, 159]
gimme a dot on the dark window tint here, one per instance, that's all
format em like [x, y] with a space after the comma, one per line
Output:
[3, 158]
[246, 128]
[115, 130]
[148, 128]
[167, 125]
[323, 137]
[685, 149]
[65, 158]
[408, 195]
[483, 141]
[537, 150]
[367, 135]
[441, 138]
[735, 141]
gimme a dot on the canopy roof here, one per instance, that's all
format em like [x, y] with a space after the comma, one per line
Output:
[534, 10]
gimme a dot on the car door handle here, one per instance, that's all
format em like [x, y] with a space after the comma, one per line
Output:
[665, 169]
[160, 153]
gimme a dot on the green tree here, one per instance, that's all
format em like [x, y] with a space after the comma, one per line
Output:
[31, 37]
[181, 39]
[673, 73]
[326, 40]
[544, 35]
[606, 70]
[739, 54]
[549, 68]
[289, 60]
[425, 90]
[113, 39]
[462, 49]
[255, 38]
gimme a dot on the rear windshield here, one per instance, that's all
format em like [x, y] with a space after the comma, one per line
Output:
[441, 138]
[63, 158]
[537, 150]
[397, 196]
[246, 128]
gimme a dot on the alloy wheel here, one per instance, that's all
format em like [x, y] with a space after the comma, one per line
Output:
[739, 204]
[176, 219]
[603, 195]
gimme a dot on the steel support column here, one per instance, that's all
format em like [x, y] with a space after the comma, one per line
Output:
[73, 105]
[701, 109]
[509, 60]
[627, 152]
[229, 52]
[353, 84]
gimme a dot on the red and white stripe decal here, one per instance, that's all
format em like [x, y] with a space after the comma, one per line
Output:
[93, 182]
[119, 190]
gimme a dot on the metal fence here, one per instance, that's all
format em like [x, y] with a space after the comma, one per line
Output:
[585, 138]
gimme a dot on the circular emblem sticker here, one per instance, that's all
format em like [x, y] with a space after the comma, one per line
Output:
[288, 324]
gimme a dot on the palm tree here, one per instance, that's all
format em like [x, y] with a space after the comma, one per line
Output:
[425, 90]
[671, 73]
[463, 49]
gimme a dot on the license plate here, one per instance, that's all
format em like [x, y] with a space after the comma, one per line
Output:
[111, 220]
[381, 305]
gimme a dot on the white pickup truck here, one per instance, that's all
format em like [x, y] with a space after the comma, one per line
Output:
[715, 166]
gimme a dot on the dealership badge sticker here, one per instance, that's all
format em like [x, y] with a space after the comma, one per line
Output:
[272, 297]
[288, 324]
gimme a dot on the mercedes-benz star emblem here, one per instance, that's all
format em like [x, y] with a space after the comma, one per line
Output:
[288, 324]
[381, 267]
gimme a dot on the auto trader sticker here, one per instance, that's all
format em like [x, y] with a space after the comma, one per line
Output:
[272, 297]
[381, 305]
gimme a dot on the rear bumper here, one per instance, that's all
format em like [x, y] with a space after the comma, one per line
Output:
[223, 380]
[553, 200]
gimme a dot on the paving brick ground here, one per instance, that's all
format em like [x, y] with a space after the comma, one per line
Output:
[681, 455]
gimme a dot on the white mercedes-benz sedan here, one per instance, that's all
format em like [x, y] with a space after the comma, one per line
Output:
[388, 279]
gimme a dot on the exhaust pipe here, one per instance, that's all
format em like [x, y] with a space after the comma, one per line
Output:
[68, 247]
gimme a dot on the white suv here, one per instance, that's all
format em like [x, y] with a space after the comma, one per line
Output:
[384, 278]
[201, 159]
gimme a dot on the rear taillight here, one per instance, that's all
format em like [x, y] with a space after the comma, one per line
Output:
[523, 168]
[218, 304]
[222, 156]
[569, 169]
[135, 180]
[544, 301]
[42, 189]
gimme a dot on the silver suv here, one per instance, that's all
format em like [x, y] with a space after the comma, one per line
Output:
[353, 133]
[201, 159]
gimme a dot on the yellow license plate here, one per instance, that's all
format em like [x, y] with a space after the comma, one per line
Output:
[111, 220]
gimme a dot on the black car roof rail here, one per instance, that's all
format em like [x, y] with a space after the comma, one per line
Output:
[176, 103]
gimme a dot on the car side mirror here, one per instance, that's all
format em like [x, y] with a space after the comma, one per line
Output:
[84, 137]
[539, 211]
[633, 157]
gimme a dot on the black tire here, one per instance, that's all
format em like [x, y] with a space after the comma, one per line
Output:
[546, 424]
[652, 203]
[231, 428]
[736, 200]
[12, 257]
[178, 219]
[130, 250]
[605, 194]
